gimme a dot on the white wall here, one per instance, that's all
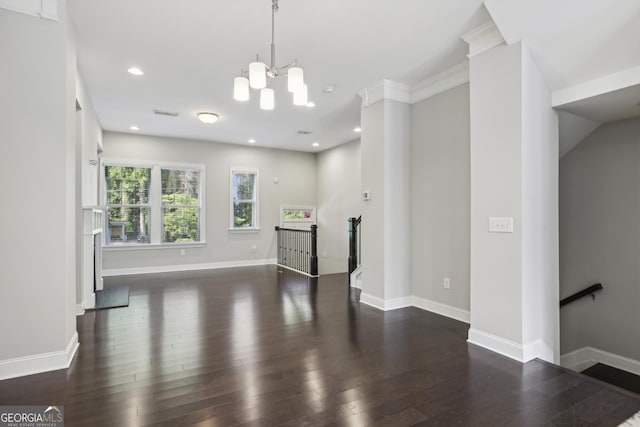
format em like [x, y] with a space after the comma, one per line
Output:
[296, 172]
[373, 173]
[440, 193]
[339, 198]
[496, 130]
[37, 153]
[600, 240]
[540, 252]
[514, 162]
[397, 193]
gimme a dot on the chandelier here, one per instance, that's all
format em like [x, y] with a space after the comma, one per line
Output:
[261, 73]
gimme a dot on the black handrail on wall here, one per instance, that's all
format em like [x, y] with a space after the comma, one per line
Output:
[298, 249]
[354, 244]
[583, 293]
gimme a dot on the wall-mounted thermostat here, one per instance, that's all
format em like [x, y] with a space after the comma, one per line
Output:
[366, 195]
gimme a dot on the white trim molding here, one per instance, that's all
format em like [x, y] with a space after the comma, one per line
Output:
[442, 309]
[386, 89]
[511, 349]
[434, 85]
[35, 364]
[483, 38]
[186, 267]
[47, 9]
[442, 82]
[496, 344]
[585, 357]
[385, 305]
[617, 81]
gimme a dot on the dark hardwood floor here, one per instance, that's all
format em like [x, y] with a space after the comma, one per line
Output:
[258, 347]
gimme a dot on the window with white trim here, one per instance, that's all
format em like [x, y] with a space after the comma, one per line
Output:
[153, 204]
[244, 199]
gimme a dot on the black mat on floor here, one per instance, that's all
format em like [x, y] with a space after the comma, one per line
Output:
[112, 297]
[617, 377]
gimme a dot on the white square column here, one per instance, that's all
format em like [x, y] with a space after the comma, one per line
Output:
[514, 177]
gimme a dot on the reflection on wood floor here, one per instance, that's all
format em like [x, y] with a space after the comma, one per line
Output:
[261, 346]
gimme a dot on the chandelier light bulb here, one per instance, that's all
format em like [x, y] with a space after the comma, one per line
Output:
[300, 97]
[241, 89]
[295, 79]
[257, 75]
[267, 99]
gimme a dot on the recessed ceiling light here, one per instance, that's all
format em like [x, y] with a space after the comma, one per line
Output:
[208, 118]
[358, 129]
[135, 71]
[311, 104]
[134, 127]
[328, 89]
[315, 144]
[252, 141]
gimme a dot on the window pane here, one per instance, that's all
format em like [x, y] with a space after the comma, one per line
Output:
[243, 185]
[132, 184]
[180, 187]
[243, 214]
[181, 225]
[127, 225]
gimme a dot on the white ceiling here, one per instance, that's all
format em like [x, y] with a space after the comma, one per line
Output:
[191, 51]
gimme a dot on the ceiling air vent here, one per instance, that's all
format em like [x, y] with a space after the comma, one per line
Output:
[165, 113]
[304, 132]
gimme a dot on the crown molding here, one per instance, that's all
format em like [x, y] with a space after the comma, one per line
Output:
[47, 9]
[448, 79]
[386, 89]
[483, 38]
[442, 82]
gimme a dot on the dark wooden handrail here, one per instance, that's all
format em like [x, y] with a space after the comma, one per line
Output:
[591, 290]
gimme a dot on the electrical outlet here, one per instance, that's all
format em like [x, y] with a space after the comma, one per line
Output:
[183, 252]
[447, 283]
[254, 249]
[324, 254]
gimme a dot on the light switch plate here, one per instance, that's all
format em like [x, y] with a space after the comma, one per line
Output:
[500, 225]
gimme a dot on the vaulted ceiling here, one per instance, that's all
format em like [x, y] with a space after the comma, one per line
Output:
[191, 51]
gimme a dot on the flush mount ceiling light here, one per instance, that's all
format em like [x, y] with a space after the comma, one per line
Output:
[260, 75]
[135, 71]
[208, 118]
[134, 128]
[315, 144]
[252, 141]
[358, 129]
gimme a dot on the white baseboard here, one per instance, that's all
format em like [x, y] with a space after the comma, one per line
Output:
[442, 309]
[385, 305]
[586, 357]
[521, 353]
[29, 365]
[373, 301]
[186, 267]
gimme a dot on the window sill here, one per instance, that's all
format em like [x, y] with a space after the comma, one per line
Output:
[142, 247]
[244, 230]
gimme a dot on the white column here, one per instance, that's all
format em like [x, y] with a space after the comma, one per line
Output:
[386, 169]
[514, 174]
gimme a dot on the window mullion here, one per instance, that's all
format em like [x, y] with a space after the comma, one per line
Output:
[155, 202]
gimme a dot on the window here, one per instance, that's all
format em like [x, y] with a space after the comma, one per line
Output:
[153, 204]
[127, 194]
[180, 205]
[244, 199]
